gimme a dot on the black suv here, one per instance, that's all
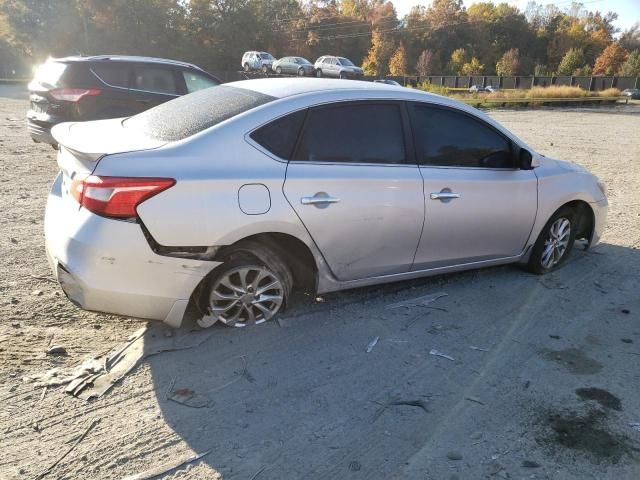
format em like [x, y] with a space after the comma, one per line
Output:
[98, 87]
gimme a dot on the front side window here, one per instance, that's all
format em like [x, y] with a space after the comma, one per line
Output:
[155, 79]
[445, 137]
[196, 81]
[353, 133]
[345, 61]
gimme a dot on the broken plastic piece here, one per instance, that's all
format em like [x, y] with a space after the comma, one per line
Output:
[372, 344]
[440, 354]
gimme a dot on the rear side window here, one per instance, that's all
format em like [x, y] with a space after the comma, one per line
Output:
[155, 79]
[353, 133]
[279, 136]
[448, 138]
[196, 81]
[187, 115]
[115, 74]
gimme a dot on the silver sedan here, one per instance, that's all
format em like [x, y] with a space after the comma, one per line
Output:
[231, 198]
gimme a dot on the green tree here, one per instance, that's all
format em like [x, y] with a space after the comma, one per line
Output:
[509, 63]
[573, 60]
[398, 62]
[631, 68]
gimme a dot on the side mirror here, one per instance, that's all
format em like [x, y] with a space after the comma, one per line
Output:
[525, 161]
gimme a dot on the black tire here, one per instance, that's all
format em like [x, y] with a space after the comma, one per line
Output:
[318, 73]
[301, 72]
[247, 255]
[246, 67]
[537, 262]
[279, 70]
[342, 75]
[265, 69]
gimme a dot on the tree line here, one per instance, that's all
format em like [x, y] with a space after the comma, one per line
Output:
[443, 38]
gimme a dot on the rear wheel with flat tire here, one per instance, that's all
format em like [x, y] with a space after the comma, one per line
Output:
[251, 287]
[555, 242]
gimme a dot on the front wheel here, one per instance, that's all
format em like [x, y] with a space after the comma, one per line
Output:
[248, 289]
[342, 75]
[554, 242]
[278, 70]
[301, 72]
[245, 67]
[265, 69]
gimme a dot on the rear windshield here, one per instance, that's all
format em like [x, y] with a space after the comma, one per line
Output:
[49, 73]
[193, 113]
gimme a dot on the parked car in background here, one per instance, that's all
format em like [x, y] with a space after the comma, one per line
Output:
[262, 61]
[294, 66]
[480, 88]
[337, 67]
[491, 89]
[631, 92]
[76, 89]
[387, 81]
[273, 185]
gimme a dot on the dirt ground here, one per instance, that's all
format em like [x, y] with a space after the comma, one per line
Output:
[543, 382]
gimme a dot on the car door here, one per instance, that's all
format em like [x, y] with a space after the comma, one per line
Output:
[153, 84]
[350, 183]
[478, 204]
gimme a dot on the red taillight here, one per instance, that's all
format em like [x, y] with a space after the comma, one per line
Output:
[116, 197]
[74, 94]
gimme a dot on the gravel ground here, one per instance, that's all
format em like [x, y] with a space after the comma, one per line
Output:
[548, 392]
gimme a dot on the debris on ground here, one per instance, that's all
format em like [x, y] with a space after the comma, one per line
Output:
[188, 397]
[635, 426]
[207, 321]
[166, 468]
[419, 301]
[603, 397]
[319, 300]
[440, 354]
[530, 464]
[95, 376]
[354, 466]
[57, 350]
[411, 403]
[475, 400]
[372, 344]
[478, 349]
[93, 423]
[626, 340]
[454, 456]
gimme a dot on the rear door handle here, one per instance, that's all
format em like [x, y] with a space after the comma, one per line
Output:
[320, 199]
[444, 196]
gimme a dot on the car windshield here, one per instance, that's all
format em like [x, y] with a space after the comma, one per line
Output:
[345, 61]
[185, 116]
[266, 56]
[303, 61]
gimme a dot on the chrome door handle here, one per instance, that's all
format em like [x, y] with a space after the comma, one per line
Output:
[316, 200]
[444, 196]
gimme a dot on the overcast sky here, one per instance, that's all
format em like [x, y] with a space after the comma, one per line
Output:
[628, 10]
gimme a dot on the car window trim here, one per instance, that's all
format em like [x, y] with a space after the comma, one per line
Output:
[143, 65]
[412, 104]
[127, 88]
[408, 160]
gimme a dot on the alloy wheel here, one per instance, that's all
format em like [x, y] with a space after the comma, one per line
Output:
[246, 295]
[555, 246]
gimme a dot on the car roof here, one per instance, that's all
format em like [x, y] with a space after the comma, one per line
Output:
[125, 58]
[287, 87]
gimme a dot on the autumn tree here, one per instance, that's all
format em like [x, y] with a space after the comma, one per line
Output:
[426, 63]
[631, 68]
[508, 63]
[610, 60]
[377, 60]
[573, 60]
[458, 59]
[398, 62]
[473, 67]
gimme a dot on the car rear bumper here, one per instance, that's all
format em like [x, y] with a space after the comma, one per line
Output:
[40, 131]
[107, 265]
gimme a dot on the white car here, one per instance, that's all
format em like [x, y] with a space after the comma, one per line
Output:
[262, 61]
[231, 197]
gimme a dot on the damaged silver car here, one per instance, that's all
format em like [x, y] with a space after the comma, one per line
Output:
[232, 197]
